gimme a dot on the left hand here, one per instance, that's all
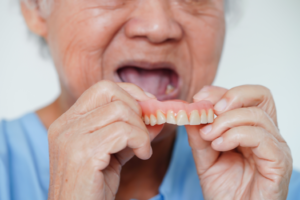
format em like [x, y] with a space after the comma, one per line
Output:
[242, 154]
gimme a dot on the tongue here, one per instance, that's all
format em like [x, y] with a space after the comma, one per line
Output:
[153, 81]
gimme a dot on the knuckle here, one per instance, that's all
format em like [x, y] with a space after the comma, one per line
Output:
[256, 113]
[263, 88]
[237, 134]
[97, 163]
[135, 87]
[267, 94]
[105, 86]
[122, 110]
[123, 128]
[53, 131]
[131, 85]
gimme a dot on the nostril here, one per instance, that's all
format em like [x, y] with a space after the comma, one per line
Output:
[157, 29]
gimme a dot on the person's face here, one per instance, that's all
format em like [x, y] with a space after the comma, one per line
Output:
[170, 48]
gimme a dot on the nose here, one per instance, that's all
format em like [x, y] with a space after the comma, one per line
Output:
[153, 20]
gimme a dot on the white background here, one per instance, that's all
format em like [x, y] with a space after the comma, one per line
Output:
[263, 47]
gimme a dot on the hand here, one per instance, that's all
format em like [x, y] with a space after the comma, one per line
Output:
[94, 138]
[242, 154]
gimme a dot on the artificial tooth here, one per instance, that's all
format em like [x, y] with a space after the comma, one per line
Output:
[170, 88]
[203, 117]
[210, 116]
[153, 120]
[170, 117]
[147, 120]
[195, 118]
[161, 119]
[182, 118]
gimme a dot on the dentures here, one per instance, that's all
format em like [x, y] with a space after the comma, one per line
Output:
[177, 112]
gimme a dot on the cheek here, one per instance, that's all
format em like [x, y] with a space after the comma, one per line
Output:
[78, 43]
[205, 38]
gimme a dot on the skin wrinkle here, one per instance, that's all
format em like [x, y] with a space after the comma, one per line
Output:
[224, 181]
[88, 44]
[108, 185]
[203, 172]
[243, 179]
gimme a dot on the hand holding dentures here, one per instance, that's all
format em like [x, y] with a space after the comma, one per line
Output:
[234, 155]
[241, 155]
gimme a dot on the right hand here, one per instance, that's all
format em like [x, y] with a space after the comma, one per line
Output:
[91, 141]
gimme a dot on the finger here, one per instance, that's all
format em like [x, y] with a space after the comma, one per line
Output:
[105, 115]
[136, 92]
[105, 92]
[251, 116]
[203, 153]
[247, 96]
[116, 137]
[139, 94]
[110, 113]
[210, 93]
[270, 154]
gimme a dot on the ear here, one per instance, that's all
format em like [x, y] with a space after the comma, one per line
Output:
[35, 22]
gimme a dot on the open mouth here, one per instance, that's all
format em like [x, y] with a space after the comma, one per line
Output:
[160, 80]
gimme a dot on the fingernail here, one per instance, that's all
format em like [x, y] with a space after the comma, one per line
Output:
[221, 105]
[206, 129]
[218, 141]
[150, 95]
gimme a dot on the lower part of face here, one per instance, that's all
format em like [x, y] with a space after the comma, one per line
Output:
[170, 48]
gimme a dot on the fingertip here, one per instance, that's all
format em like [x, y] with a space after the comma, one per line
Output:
[206, 129]
[143, 153]
[221, 105]
[210, 93]
[200, 96]
[217, 143]
[151, 96]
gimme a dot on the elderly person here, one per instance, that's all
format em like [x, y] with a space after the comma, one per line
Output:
[91, 143]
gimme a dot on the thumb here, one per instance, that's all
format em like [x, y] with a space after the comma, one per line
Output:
[204, 155]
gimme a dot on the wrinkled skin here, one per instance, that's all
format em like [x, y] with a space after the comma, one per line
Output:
[83, 139]
[96, 125]
[242, 154]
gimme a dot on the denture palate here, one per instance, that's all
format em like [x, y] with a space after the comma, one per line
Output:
[177, 112]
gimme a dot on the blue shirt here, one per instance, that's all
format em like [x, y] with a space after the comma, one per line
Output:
[24, 165]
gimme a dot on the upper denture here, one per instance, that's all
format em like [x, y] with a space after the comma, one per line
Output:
[177, 112]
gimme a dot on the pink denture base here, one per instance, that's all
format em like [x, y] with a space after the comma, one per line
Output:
[151, 106]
